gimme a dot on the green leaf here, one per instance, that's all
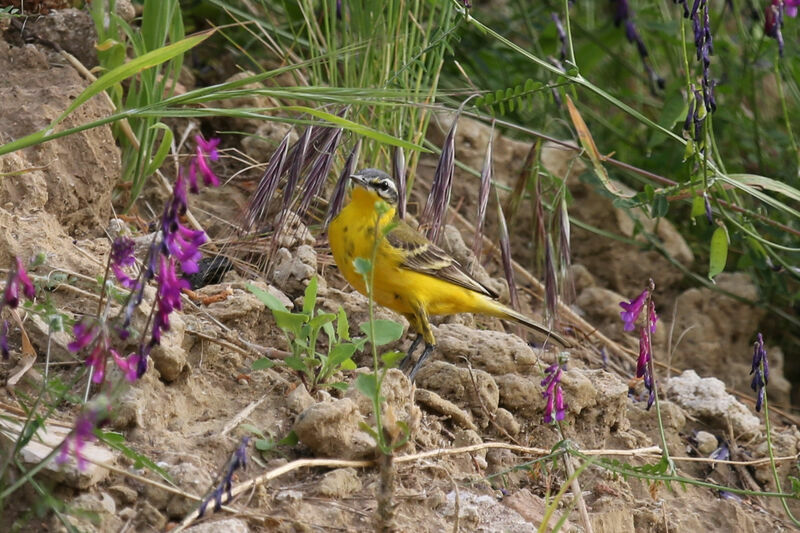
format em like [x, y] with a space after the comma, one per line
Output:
[289, 322]
[163, 149]
[660, 206]
[320, 320]
[386, 331]
[116, 440]
[296, 363]
[342, 326]
[348, 364]
[719, 251]
[698, 207]
[390, 359]
[338, 385]
[362, 265]
[358, 129]
[341, 353]
[310, 296]
[363, 426]
[367, 384]
[290, 439]
[262, 364]
[266, 298]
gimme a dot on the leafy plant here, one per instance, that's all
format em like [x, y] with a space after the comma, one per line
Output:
[303, 329]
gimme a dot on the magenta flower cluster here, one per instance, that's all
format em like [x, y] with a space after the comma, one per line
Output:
[632, 311]
[17, 280]
[174, 254]
[553, 394]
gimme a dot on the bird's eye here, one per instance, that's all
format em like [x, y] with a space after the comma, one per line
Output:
[382, 185]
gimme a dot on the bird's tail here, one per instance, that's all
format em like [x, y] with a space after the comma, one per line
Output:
[501, 311]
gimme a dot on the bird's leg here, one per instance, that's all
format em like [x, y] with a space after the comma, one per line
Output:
[419, 321]
[407, 359]
[425, 353]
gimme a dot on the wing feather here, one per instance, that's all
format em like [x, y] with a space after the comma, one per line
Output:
[421, 255]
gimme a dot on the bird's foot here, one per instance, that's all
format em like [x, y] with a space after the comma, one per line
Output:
[425, 353]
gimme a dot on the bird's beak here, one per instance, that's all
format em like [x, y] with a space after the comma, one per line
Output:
[357, 178]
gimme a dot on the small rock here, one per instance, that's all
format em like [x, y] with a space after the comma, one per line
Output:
[101, 506]
[123, 493]
[437, 404]
[581, 278]
[707, 400]
[520, 394]
[456, 384]
[469, 437]
[332, 430]
[289, 496]
[226, 525]
[268, 135]
[299, 400]
[706, 442]
[505, 420]
[169, 357]
[493, 351]
[190, 478]
[294, 232]
[533, 508]
[151, 517]
[125, 10]
[292, 272]
[339, 483]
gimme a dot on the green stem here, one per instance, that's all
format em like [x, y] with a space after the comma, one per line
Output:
[376, 399]
[771, 454]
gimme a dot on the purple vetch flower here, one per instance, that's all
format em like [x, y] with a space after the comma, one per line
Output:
[623, 14]
[4, 339]
[205, 151]
[17, 277]
[553, 394]
[178, 240]
[168, 296]
[236, 462]
[644, 364]
[121, 257]
[129, 365]
[93, 416]
[707, 205]
[704, 48]
[632, 311]
[760, 370]
[85, 332]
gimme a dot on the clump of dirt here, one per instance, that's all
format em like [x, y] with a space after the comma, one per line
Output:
[482, 387]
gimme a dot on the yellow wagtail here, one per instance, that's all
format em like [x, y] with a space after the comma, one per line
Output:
[411, 275]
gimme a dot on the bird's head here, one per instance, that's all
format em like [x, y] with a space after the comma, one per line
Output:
[378, 183]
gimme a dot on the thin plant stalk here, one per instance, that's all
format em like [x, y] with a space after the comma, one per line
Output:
[771, 454]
